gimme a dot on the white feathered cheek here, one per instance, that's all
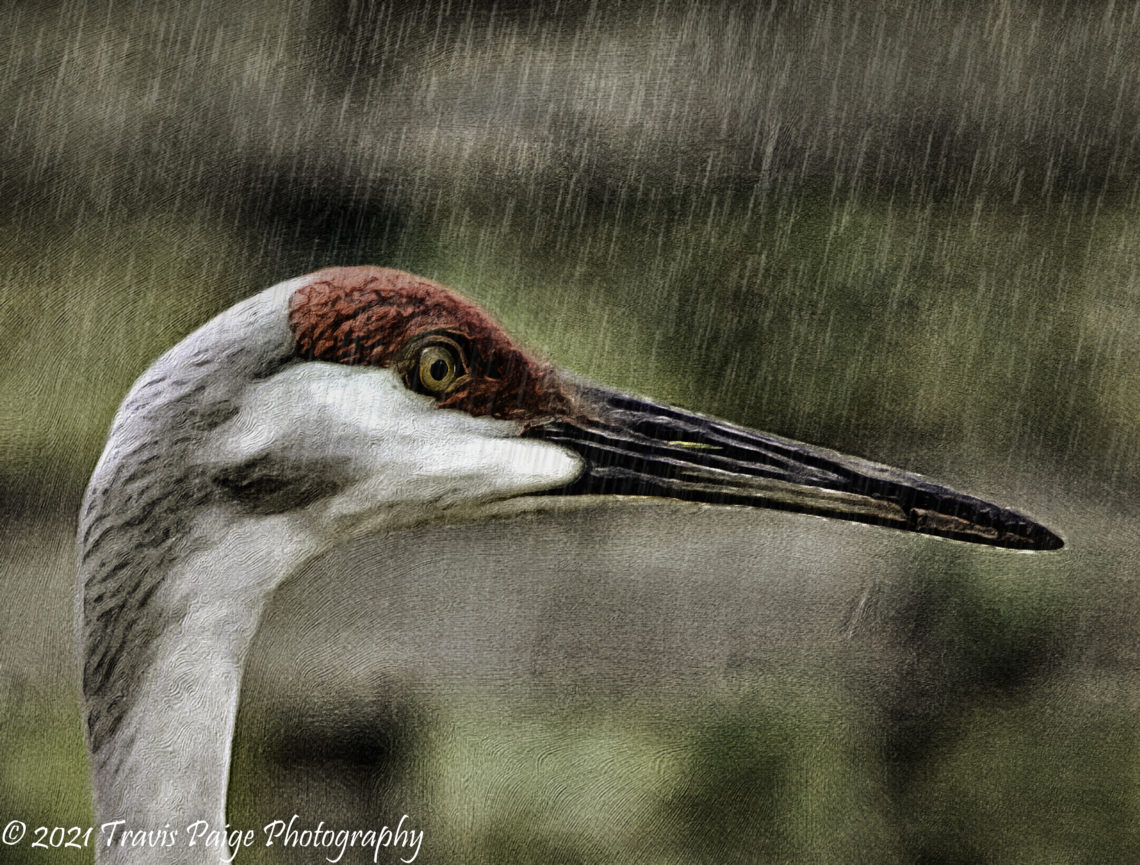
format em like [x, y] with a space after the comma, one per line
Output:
[353, 439]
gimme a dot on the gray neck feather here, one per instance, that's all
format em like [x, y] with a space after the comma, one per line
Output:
[137, 519]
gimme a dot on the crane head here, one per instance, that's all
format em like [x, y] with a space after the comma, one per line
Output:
[359, 399]
[410, 398]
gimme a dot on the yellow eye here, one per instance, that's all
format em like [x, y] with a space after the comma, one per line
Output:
[439, 368]
[434, 364]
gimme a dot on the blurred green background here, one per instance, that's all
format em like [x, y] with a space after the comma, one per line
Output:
[905, 230]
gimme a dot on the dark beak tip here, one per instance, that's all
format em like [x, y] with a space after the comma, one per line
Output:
[1050, 541]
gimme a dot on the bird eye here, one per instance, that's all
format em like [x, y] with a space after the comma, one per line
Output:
[434, 366]
[439, 368]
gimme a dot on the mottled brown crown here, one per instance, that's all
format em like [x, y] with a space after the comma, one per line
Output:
[367, 315]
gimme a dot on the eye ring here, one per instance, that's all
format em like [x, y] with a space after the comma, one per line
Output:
[434, 365]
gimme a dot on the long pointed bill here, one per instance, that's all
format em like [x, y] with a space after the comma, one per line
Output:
[634, 447]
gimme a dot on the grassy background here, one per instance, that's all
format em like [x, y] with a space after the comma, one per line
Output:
[905, 230]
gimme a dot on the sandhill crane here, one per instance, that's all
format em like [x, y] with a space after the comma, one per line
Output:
[346, 402]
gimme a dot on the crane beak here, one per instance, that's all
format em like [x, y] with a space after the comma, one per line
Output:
[634, 447]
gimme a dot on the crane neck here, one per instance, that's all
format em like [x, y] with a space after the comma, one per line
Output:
[167, 766]
[161, 716]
